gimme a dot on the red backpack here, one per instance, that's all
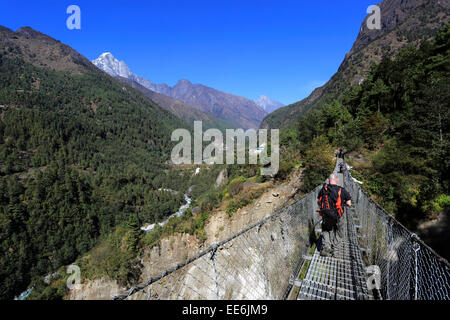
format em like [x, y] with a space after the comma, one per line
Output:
[330, 208]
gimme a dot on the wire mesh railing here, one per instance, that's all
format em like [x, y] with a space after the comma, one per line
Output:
[410, 270]
[259, 263]
[262, 261]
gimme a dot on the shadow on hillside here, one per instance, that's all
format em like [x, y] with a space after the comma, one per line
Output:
[436, 234]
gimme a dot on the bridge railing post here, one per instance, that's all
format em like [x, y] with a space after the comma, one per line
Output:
[416, 248]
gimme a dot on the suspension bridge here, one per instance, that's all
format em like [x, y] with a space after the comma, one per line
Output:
[278, 258]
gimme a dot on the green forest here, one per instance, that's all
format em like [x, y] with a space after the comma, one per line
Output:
[398, 119]
[79, 155]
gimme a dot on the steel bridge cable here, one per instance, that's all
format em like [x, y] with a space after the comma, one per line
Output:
[261, 261]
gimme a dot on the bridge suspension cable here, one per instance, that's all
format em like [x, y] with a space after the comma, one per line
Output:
[263, 261]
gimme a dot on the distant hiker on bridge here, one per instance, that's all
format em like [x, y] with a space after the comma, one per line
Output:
[330, 200]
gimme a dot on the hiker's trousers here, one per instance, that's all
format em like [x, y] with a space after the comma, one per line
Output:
[331, 239]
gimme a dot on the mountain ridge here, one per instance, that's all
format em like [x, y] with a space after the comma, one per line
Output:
[239, 111]
[183, 111]
[42, 50]
[398, 18]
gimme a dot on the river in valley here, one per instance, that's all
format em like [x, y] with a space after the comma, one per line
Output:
[149, 227]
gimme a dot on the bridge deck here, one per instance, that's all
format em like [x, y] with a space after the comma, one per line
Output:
[341, 277]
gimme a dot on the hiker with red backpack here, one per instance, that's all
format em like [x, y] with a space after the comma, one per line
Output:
[331, 198]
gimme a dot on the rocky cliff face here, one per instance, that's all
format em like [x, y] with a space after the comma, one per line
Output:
[403, 22]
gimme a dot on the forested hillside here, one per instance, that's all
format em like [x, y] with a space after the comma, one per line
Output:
[398, 121]
[80, 153]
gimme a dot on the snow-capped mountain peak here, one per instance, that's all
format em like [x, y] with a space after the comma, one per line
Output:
[108, 63]
[269, 105]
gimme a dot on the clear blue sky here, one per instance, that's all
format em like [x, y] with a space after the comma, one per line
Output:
[282, 49]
